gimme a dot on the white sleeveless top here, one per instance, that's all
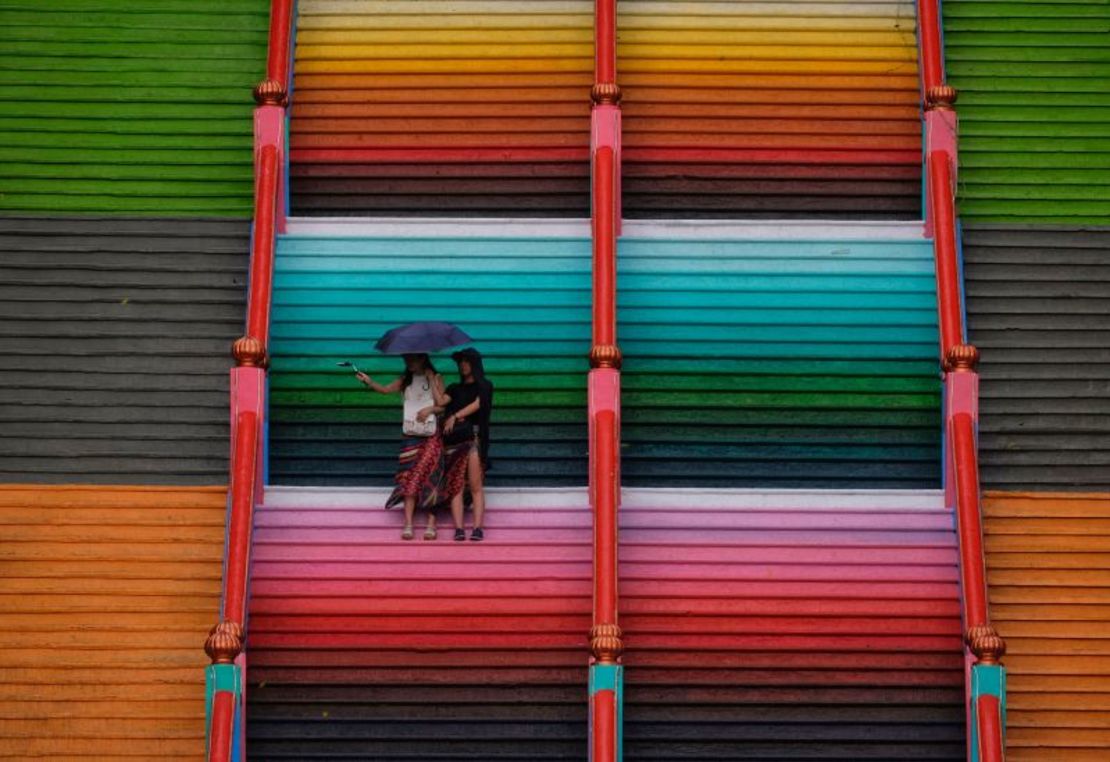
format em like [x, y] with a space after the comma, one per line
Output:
[418, 396]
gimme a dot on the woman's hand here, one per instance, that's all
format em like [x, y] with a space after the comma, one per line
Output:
[423, 414]
[449, 424]
[365, 379]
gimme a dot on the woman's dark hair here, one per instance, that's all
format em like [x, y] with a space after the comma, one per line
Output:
[474, 357]
[406, 380]
[485, 395]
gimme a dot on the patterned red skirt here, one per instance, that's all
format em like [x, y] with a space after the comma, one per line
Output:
[419, 473]
[456, 456]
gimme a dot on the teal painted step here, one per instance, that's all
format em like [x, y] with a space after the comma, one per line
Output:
[526, 302]
[788, 363]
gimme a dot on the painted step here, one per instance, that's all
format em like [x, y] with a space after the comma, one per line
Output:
[779, 363]
[828, 628]
[527, 306]
[367, 646]
[500, 125]
[723, 117]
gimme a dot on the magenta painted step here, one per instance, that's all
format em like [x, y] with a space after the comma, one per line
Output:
[338, 597]
[744, 601]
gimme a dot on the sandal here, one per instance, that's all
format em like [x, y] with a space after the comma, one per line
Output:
[477, 535]
[460, 535]
[430, 533]
[406, 533]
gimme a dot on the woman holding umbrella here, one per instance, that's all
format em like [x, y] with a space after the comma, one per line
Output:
[420, 473]
[420, 464]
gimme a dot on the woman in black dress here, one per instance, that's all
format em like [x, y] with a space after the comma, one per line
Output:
[466, 440]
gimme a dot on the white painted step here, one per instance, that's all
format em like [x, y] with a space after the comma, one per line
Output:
[756, 230]
[359, 498]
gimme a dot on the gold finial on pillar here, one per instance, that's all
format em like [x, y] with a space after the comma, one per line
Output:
[961, 358]
[606, 643]
[605, 93]
[987, 645]
[249, 352]
[605, 356]
[941, 98]
[225, 642]
[269, 92]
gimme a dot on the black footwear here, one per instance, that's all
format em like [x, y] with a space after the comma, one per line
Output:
[476, 535]
[460, 534]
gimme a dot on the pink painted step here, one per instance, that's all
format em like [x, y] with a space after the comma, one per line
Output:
[338, 597]
[771, 605]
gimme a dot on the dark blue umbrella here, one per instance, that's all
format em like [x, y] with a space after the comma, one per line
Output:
[420, 338]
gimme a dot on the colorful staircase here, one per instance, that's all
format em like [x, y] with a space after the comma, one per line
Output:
[106, 592]
[1049, 590]
[525, 300]
[773, 110]
[462, 108]
[791, 624]
[792, 361]
[759, 621]
[365, 647]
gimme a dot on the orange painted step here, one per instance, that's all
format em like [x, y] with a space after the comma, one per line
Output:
[1050, 594]
[106, 595]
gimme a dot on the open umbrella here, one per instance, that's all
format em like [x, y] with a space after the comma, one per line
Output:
[422, 337]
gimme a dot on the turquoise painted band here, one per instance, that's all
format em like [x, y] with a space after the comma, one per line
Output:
[220, 678]
[605, 677]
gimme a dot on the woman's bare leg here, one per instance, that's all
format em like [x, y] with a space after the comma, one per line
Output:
[410, 510]
[457, 511]
[475, 478]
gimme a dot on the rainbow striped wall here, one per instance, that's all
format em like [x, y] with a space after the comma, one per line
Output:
[365, 647]
[770, 109]
[779, 363]
[463, 108]
[525, 302]
[790, 626]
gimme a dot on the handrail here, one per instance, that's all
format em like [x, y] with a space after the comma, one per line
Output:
[986, 679]
[226, 675]
[941, 201]
[606, 640]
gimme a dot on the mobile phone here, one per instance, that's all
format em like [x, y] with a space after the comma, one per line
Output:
[348, 364]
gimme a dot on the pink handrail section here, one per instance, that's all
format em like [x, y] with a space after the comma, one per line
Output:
[226, 675]
[606, 640]
[986, 683]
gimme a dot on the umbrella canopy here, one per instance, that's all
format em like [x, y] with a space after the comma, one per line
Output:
[420, 338]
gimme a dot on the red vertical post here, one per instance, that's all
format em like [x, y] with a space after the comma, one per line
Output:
[244, 462]
[972, 571]
[221, 732]
[248, 383]
[985, 646]
[263, 241]
[942, 202]
[989, 716]
[929, 44]
[605, 518]
[604, 245]
[281, 30]
[605, 41]
[606, 641]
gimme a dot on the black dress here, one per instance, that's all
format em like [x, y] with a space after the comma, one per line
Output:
[462, 395]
